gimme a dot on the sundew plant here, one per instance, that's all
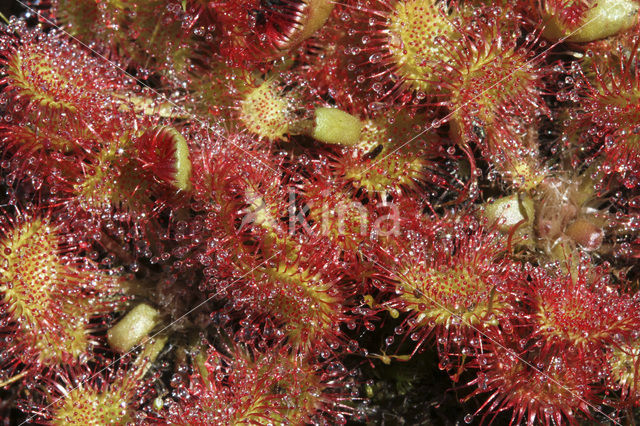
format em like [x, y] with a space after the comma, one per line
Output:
[320, 212]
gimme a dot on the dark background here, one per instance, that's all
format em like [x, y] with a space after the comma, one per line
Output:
[10, 7]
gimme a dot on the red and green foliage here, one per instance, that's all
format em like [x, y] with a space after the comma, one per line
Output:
[275, 211]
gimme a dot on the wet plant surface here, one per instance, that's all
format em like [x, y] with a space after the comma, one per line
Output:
[363, 212]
